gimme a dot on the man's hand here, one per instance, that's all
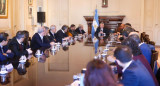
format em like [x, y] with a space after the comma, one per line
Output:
[8, 51]
[111, 58]
[51, 43]
[4, 54]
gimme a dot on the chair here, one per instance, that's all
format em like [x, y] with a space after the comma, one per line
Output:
[154, 58]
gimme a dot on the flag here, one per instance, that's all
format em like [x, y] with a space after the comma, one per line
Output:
[95, 25]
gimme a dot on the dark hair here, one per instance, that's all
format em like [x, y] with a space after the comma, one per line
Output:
[64, 27]
[72, 25]
[46, 28]
[3, 36]
[135, 38]
[99, 73]
[128, 24]
[20, 34]
[133, 45]
[26, 33]
[101, 22]
[26, 38]
[123, 54]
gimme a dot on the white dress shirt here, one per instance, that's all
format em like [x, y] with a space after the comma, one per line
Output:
[41, 37]
[126, 65]
[62, 31]
[101, 29]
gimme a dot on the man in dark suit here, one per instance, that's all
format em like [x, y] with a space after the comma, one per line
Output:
[38, 40]
[80, 30]
[46, 37]
[17, 46]
[52, 33]
[4, 48]
[72, 30]
[61, 34]
[146, 51]
[134, 72]
[101, 31]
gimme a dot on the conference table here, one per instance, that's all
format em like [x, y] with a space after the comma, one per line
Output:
[54, 69]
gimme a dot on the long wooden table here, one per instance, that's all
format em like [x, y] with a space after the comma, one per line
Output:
[55, 69]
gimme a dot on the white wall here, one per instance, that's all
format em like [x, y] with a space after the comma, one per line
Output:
[142, 14]
[74, 10]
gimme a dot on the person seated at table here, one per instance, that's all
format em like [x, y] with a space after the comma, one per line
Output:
[80, 30]
[98, 73]
[17, 46]
[120, 28]
[52, 33]
[146, 51]
[27, 39]
[38, 41]
[62, 34]
[125, 33]
[47, 36]
[7, 53]
[72, 30]
[102, 32]
[137, 55]
[134, 72]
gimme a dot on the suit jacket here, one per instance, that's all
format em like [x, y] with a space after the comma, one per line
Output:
[37, 43]
[144, 61]
[2, 57]
[80, 31]
[9, 55]
[52, 37]
[107, 31]
[17, 49]
[73, 32]
[137, 75]
[60, 35]
[146, 51]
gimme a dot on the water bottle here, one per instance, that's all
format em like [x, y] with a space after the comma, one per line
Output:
[82, 77]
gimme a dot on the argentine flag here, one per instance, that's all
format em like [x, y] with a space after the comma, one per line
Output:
[95, 25]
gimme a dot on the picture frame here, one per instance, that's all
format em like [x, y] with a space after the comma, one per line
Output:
[104, 3]
[30, 11]
[30, 2]
[3, 8]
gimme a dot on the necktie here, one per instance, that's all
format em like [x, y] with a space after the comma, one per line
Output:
[20, 47]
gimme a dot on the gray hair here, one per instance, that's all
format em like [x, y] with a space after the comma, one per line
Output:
[40, 30]
[52, 27]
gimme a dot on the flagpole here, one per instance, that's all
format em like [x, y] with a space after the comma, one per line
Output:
[96, 6]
